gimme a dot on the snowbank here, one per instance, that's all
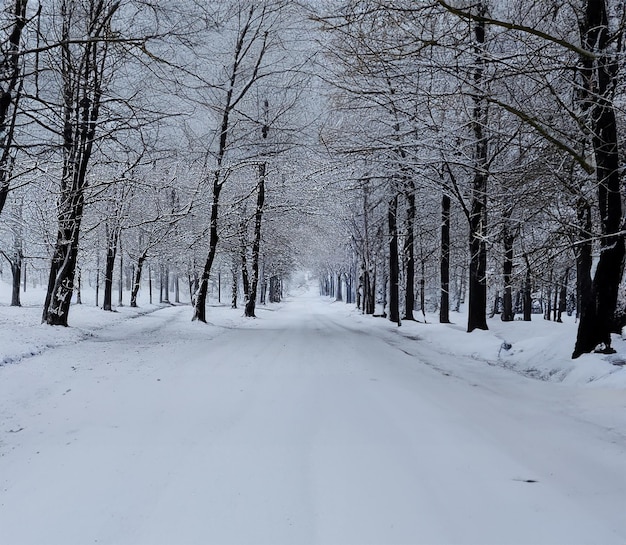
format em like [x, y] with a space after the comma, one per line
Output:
[539, 349]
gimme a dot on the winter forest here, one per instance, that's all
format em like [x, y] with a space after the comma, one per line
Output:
[318, 271]
[416, 155]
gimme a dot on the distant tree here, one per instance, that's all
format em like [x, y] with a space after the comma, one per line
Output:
[15, 255]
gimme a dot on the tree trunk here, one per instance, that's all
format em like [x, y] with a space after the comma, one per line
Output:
[477, 308]
[166, 284]
[247, 36]
[199, 303]
[150, 284]
[339, 290]
[82, 76]
[62, 269]
[444, 264]
[563, 296]
[256, 243]
[494, 309]
[79, 298]
[108, 269]
[234, 286]
[120, 293]
[508, 312]
[423, 294]
[137, 280]
[600, 76]
[394, 311]
[528, 302]
[18, 254]
[460, 287]
[16, 273]
[275, 292]
[409, 253]
[243, 243]
[547, 315]
[97, 277]
[161, 272]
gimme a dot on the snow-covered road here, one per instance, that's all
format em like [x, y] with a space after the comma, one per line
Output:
[298, 427]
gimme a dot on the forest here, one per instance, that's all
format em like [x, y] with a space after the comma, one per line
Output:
[417, 156]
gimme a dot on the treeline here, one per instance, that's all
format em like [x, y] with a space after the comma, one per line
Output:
[483, 149]
[136, 135]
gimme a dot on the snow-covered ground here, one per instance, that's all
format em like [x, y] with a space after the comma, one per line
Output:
[310, 424]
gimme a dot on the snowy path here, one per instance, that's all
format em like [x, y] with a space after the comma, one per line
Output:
[294, 428]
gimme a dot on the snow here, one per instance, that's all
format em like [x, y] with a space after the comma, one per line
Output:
[309, 424]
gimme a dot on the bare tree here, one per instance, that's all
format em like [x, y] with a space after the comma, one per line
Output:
[245, 69]
[84, 68]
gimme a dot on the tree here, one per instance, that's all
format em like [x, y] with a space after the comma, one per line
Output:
[85, 62]
[593, 85]
[599, 79]
[477, 318]
[250, 48]
[15, 256]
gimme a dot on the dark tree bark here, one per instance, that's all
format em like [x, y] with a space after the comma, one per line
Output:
[275, 289]
[98, 277]
[339, 291]
[150, 284]
[548, 310]
[235, 280]
[15, 262]
[394, 269]
[369, 294]
[16, 258]
[112, 240]
[477, 307]
[563, 296]
[599, 80]
[79, 298]
[528, 302]
[82, 70]
[16, 272]
[508, 312]
[161, 296]
[108, 279]
[137, 280]
[243, 48]
[256, 243]
[165, 281]
[444, 263]
[423, 294]
[494, 309]
[409, 254]
[243, 255]
[120, 285]
[460, 287]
